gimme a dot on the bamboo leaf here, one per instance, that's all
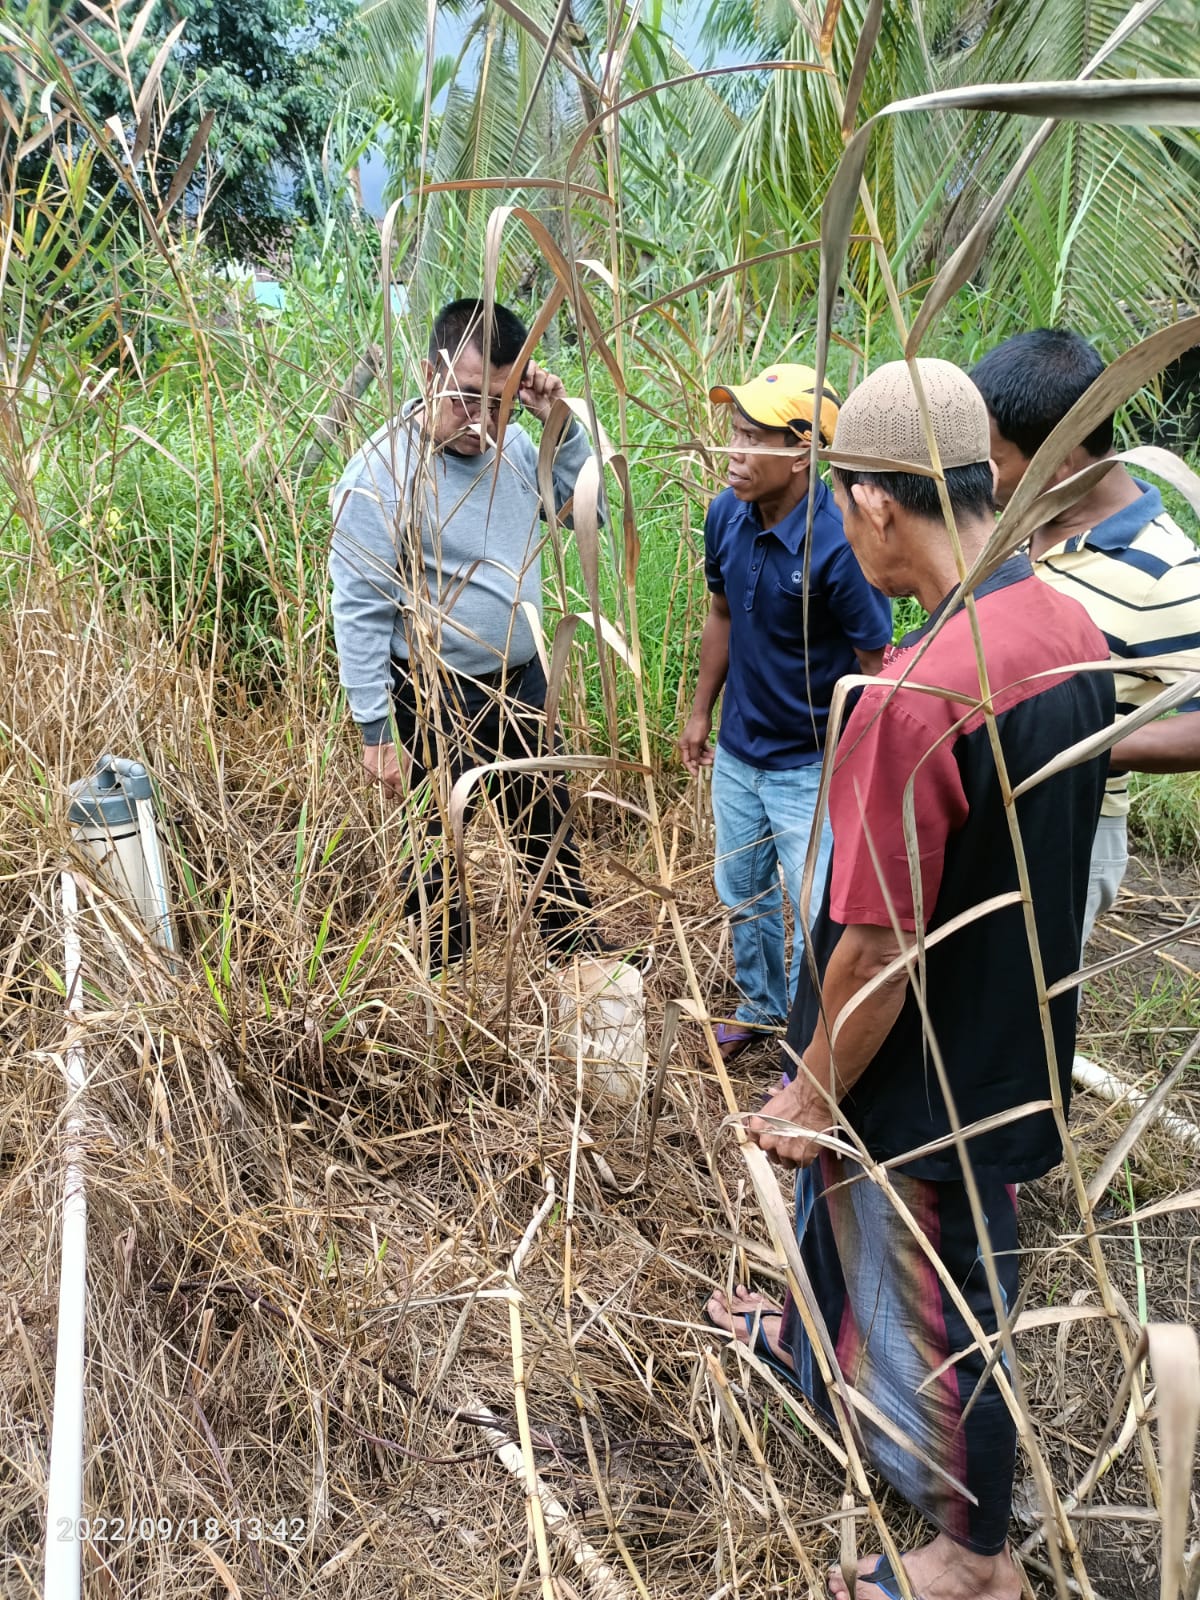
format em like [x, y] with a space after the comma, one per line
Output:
[515, 181]
[1146, 1113]
[141, 137]
[558, 264]
[1039, 1317]
[1167, 102]
[1176, 694]
[35, 140]
[1047, 506]
[829, 22]
[465, 786]
[853, 463]
[538, 33]
[101, 57]
[559, 655]
[134, 37]
[587, 542]
[151, 80]
[545, 315]
[1189, 1200]
[1175, 1362]
[553, 428]
[187, 166]
[587, 534]
[550, 49]
[611, 635]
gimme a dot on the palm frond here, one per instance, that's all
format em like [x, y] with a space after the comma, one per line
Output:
[1104, 229]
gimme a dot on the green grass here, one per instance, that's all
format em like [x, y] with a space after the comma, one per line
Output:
[177, 492]
[1165, 817]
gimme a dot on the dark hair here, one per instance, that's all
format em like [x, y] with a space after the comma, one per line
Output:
[969, 489]
[1032, 380]
[460, 324]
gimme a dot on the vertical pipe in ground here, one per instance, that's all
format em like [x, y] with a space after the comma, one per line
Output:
[64, 1499]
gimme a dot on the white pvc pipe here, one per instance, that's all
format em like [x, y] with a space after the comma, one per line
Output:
[1089, 1076]
[605, 1582]
[64, 1497]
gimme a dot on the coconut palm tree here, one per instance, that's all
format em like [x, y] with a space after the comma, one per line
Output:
[1104, 231]
[509, 110]
[736, 166]
[1083, 241]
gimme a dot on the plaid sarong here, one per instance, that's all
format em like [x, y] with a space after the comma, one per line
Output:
[893, 1323]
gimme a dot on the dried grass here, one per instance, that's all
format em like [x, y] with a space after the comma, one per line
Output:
[299, 1243]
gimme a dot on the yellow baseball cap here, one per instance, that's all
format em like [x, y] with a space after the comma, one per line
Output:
[784, 397]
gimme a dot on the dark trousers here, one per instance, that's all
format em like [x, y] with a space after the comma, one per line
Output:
[471, 724]
[893, 1322]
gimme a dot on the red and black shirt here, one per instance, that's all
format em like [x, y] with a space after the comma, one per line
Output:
[981, 995]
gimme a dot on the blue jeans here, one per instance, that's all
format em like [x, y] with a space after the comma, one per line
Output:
[763, 821]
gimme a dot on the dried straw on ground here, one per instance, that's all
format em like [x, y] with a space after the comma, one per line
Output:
[309, 1170]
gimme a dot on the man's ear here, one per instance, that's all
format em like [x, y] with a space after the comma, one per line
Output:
[1073, 462]
[876, 505]
[804, 453]
[427, 373]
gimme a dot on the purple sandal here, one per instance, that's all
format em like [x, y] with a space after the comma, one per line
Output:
[733, 1038]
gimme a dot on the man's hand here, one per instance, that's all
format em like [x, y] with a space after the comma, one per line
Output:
[693, 742]
[796, 1102]
[539, 390]
[862, 954]
[384, 764]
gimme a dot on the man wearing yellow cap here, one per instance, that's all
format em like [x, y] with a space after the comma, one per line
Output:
[788, 616]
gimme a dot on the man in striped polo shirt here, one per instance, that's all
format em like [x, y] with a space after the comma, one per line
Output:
[1116, 551]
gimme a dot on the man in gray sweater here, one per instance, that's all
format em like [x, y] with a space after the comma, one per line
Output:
[437, 591]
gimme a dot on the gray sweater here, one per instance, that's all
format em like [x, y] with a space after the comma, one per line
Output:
[437, 555]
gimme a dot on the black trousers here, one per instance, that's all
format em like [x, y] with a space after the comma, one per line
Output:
[473, 723]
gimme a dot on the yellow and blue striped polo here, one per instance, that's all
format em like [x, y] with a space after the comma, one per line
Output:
[1137, 574]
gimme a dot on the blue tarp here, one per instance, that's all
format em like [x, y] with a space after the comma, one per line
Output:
[270, 294]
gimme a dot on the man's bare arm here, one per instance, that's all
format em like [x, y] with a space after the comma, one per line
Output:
[870, 662]
[1169, 744]
[714, 668]
[860, 955]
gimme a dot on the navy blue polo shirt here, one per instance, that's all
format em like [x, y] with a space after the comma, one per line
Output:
[777, 693]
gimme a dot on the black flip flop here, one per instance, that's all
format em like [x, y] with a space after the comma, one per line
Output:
[760, 1346]
[882, 1576]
